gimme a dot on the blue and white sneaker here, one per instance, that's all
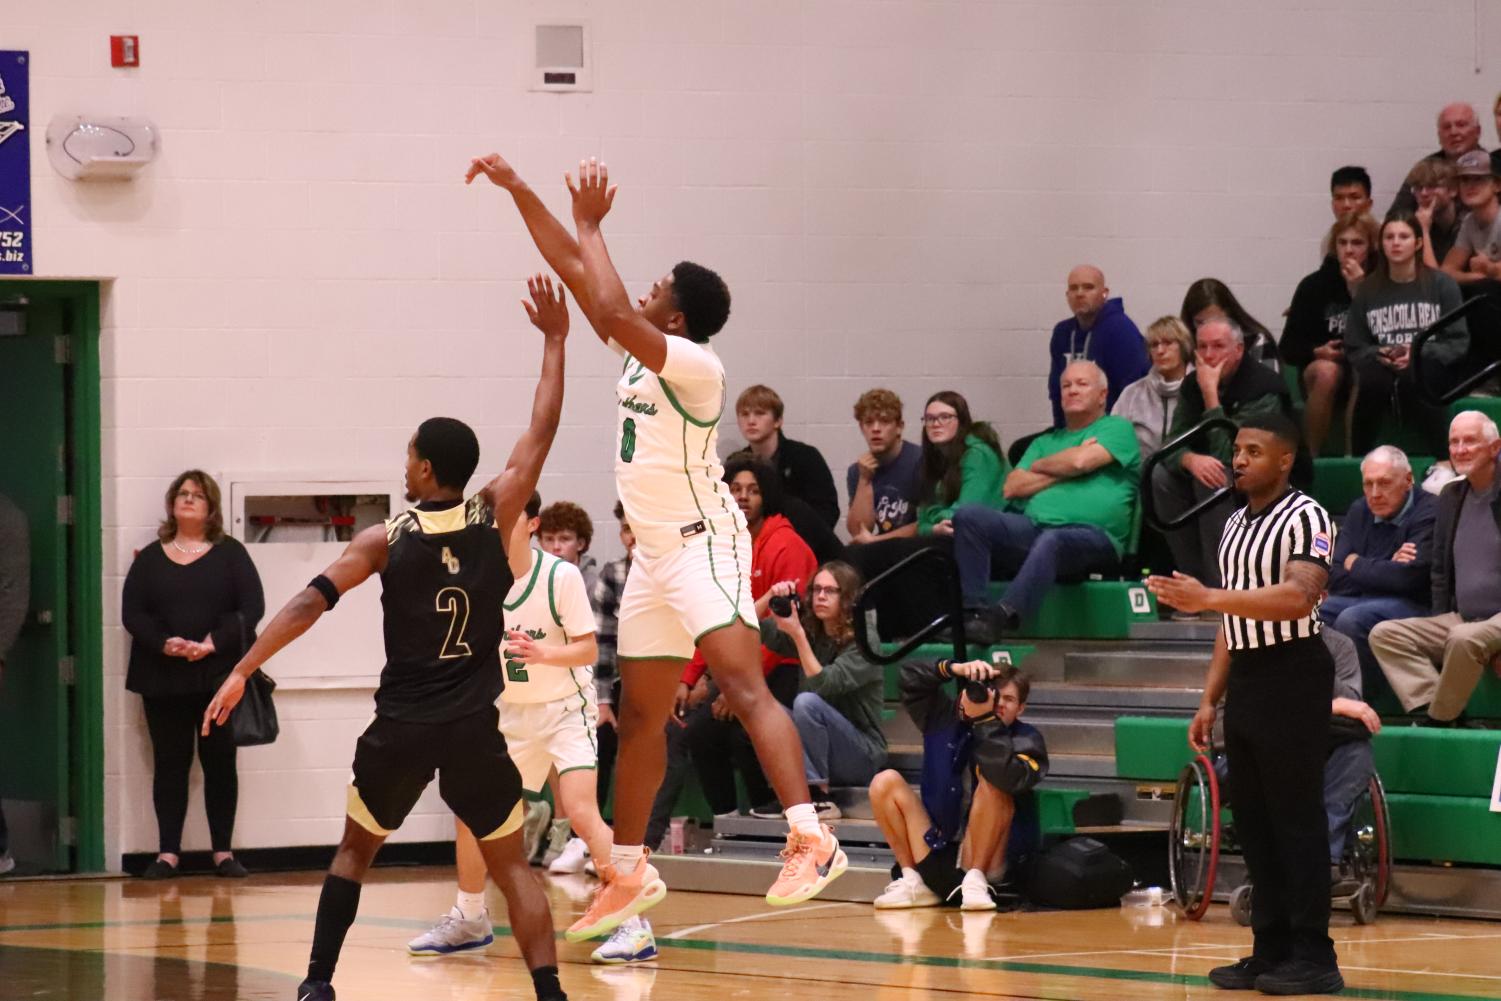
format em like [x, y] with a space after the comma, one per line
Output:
[453, 933]
[632, 942]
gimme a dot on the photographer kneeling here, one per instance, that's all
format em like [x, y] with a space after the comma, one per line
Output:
[979, 733]
[838, 709]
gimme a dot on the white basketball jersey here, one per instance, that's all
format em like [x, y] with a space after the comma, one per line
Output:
[551, 605]
[667, 467]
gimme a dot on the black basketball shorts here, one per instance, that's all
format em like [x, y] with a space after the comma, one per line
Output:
[395, 760]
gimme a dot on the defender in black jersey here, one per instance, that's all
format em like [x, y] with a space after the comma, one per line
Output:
[445, 575]
[1275, 674]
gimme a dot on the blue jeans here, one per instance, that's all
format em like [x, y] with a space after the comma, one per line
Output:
[1356, 617]
[1346, 775]
[835, 752]
[1032, 556]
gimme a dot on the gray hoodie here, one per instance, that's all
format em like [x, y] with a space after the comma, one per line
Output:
[1148, 403]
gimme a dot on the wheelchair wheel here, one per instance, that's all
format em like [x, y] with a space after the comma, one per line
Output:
[1370, 853]
[1194, 838]
[1363, 903]
[1240, 905]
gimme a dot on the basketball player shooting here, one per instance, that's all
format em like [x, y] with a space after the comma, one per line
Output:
[689, 581]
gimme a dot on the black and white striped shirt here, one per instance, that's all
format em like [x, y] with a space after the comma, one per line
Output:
[1255, 552]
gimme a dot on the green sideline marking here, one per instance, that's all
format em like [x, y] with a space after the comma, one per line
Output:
[787, 951]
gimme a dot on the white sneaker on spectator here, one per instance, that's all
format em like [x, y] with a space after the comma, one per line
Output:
[572, 858]
[906, 891]
[7, 863]
[827, 809]
[974, 892]
[453, 933]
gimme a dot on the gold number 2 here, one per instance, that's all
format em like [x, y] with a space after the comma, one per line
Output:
[454, 601]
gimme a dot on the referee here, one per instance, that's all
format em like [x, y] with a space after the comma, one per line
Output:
[1276, 674]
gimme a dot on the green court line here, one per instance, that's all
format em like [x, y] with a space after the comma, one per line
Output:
[800, 952]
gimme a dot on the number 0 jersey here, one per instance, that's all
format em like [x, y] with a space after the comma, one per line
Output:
[667, 467]
[445, 582]
[550, 604]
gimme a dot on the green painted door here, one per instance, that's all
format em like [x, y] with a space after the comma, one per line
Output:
[34, 758]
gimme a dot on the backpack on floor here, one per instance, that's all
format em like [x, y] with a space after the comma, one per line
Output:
[1078, 874]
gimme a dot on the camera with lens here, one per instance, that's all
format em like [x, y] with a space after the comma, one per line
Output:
[784, 605]
[979, 692]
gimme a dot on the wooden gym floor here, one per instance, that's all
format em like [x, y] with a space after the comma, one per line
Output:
[211, 939]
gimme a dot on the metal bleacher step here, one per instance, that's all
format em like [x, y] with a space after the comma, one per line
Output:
[1113, 700]
[1201, 631]
[1075, 734]
[1070, 766]
[1145, 666]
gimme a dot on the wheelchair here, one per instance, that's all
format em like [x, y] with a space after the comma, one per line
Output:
[1201, 830]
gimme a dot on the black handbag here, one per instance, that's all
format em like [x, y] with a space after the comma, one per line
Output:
[253, 721]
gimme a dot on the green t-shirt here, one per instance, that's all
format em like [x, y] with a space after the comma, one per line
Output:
[1105, 498]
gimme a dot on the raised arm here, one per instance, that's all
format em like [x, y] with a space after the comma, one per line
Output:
[365, 555]
[611, 312]
[558, 247]
[508, 493]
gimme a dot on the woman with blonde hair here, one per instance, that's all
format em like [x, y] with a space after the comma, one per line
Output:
[1149, 402]
[1313, 340]
[191, 604]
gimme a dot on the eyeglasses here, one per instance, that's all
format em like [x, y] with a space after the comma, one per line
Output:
[818, 589]
[1416, 188]
[191, 495]
[934, 419]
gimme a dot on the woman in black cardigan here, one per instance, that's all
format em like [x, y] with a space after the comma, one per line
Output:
[191, 605]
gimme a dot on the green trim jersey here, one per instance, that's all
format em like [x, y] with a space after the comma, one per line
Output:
[441, 592]
[551, 605]
[667, 467]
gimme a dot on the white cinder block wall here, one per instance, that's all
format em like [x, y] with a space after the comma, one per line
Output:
[894, 191]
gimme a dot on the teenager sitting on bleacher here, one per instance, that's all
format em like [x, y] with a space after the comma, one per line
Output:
[962, 463]
[1382, 556]
[838, 710]
[944, 846]
[1434, 663]
[1073, 496]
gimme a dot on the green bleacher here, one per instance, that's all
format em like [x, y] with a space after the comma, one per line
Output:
[1438, 783]
[1091, 610]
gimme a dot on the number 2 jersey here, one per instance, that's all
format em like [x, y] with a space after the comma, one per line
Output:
[444, 588]
[551, 605]
[667, 467]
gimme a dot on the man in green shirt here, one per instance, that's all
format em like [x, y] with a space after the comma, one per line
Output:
[1072, 499]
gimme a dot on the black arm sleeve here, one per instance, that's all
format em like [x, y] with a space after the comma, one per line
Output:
[922, 687]
[135, 611]
[1011, 763]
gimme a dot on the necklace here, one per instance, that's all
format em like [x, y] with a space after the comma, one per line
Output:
[187, 552]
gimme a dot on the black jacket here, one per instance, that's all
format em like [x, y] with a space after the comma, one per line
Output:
[1450, 501]
[1317, 314]
[805, 475]
[1254, 389]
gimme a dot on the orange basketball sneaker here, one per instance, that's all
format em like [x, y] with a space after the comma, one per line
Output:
[620, 896]
[808, 865]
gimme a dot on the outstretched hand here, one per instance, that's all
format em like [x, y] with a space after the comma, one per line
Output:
[548, 309]
[225, 699]
[593, 194]
[1181, 591]
[500, 173]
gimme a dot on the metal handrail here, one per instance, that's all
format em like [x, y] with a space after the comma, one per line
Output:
[1427, 333]
[1149, 503]
[953, 618]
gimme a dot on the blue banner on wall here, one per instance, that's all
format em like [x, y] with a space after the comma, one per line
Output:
[15, 164]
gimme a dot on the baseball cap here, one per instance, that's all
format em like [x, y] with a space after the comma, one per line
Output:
[1475, 163]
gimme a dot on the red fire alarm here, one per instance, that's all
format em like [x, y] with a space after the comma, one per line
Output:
[124, 50]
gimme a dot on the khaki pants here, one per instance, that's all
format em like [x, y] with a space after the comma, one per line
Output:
[1435, 661]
